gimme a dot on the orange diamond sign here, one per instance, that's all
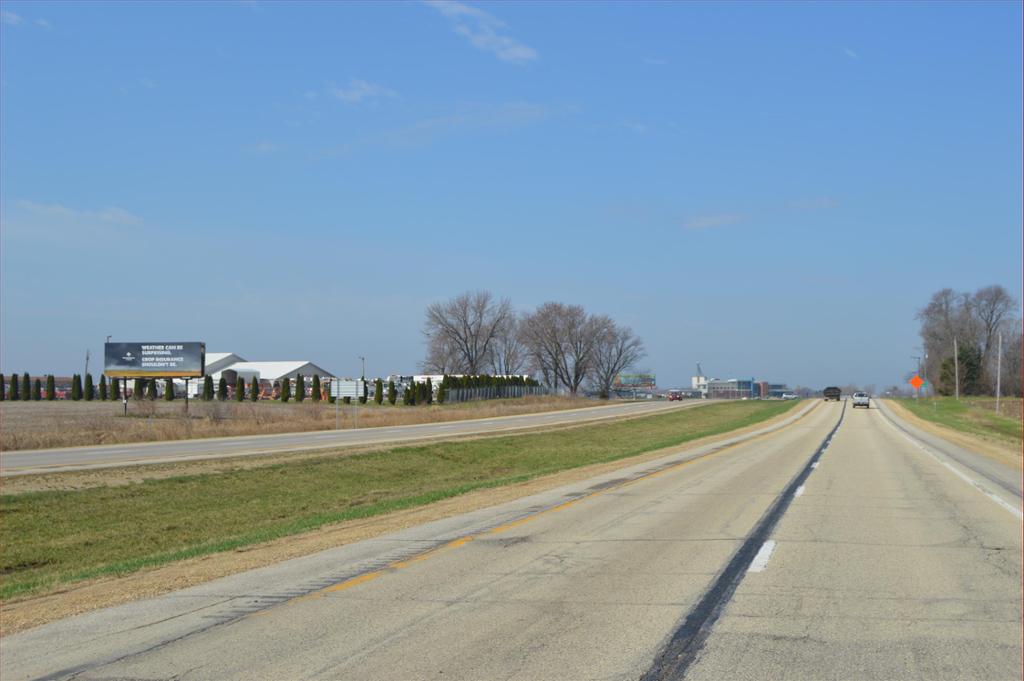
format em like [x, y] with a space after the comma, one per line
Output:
[917, 382]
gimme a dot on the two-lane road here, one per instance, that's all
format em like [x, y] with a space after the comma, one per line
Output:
[879, 562]
[28, 462]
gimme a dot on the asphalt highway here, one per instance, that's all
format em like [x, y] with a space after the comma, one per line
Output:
[28, 462]
[830, 546]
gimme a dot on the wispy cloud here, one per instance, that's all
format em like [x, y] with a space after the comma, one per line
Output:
[467, 118]
[850, 53]
[482, 31]
[775, 212]
[715, 220]
[817, 203]
[358, 91]
[147, 83]
[57, 224]
[11, 19]
[263, 147]
[655, 61]
[112, 215]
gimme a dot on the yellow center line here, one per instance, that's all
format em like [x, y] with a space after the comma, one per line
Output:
[462, 541]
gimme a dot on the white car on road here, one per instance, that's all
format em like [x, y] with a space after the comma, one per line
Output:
[862, 400]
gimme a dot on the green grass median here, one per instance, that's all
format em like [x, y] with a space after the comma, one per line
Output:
[49, 538]
[974, 415]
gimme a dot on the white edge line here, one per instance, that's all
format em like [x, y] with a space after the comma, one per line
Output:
[760, 561]
[966, 478]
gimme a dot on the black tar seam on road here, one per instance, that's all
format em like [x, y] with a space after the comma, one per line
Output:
[682, 648]
[265, 602]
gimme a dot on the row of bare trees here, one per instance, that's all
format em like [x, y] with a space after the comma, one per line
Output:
[976, 321]
[476, 333]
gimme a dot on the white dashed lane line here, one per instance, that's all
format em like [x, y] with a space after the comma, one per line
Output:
[760, 561]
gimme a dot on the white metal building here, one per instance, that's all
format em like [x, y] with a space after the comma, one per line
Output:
[217, 363]
[273, 371]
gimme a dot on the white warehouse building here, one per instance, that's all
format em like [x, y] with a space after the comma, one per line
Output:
[232, 366]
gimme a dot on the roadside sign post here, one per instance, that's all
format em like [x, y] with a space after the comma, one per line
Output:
[917, 382]
[340, 390]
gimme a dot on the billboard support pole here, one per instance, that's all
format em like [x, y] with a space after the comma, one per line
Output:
[186, 394]
[337, 414]
[124, 395]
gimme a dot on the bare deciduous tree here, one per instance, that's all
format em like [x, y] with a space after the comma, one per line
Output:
[616, 349]
[466, 328]
[441, 358]
[560, 340]
[508, 355]
[1011, 367]
[990, 306]
[974, 321]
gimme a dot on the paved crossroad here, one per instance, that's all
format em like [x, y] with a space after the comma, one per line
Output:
[888, 565]
[26, 462]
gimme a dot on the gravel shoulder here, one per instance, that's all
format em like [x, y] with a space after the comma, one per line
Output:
[990, 448]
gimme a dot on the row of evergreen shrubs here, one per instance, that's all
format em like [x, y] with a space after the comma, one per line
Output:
[418, 393]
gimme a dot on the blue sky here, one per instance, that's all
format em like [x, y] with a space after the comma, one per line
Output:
[770, 189]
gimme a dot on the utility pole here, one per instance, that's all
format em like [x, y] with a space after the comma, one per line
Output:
[956, 371]
[999, 370]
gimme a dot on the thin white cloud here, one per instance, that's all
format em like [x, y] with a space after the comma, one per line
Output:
[850, 53]
[777, 211]
[817, 203]
[112, 215]
[655, 61]
[10, 18]
[33, 223]
[147, 83]
[43, 23]
[482, 31]
[358, 91]
[716, 220]
[467, 118]
[263, 147]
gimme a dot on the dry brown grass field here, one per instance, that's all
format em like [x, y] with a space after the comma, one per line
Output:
[38, 425]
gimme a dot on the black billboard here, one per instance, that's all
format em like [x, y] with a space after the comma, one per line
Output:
[175, 360]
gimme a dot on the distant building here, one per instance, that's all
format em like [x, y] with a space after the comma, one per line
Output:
[231, 366]
[732, 389]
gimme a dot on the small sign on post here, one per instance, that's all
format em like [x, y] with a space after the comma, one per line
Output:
[342, 388]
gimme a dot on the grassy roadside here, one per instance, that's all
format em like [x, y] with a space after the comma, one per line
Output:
[42, 425]
[50, 538]
[974, 416]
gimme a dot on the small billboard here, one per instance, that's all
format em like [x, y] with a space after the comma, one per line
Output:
[171, 360]
[342, 388]
[633, 381]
